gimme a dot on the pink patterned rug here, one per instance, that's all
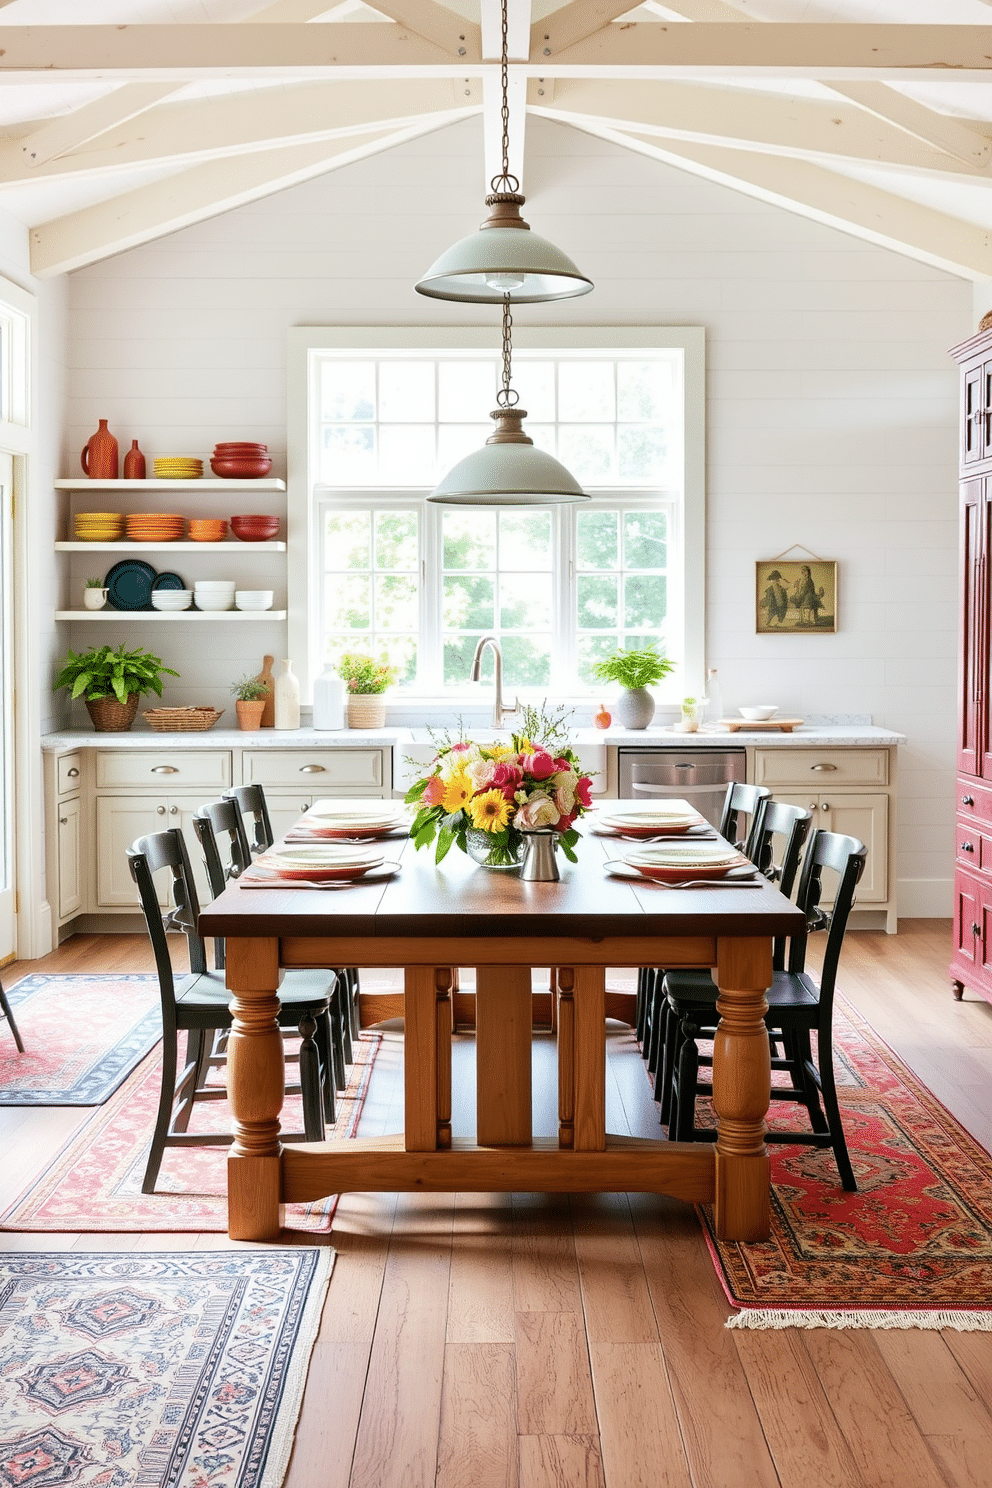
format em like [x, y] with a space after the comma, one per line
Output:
[82, 1036]
[155, 1369]
[95, 1181]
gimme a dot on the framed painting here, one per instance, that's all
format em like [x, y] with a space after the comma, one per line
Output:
[795, 598]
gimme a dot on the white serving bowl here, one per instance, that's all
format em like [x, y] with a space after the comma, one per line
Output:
[220, 586]
[759, 712]
[253, 599]
[214, 602]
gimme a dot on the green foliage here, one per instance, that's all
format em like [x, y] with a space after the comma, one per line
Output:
[249, 690]
[104, 673]
[363, 674]
[544, 724]
[633, 669]
[94, 583]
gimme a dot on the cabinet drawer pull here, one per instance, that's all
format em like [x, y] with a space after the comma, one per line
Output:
[312, 769]
[968, 847]
[975, 929]
[165, 769]
[814, 768]
[174, 810]
[160, 810]
[63, 820]
[824, 805]
[967, 800]
[814, 805]
[72, 773]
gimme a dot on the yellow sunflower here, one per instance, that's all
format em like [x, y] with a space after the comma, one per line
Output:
[457, 792]
[490, 811]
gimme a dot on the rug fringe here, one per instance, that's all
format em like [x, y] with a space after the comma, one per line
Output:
[288, 1416]
[961, 1322]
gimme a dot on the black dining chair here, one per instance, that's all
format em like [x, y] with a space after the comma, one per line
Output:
[741, 802]
[251, 803]
[221, 821]
[797, 1007]
[197, 1004]
[6, 1013]
[778, 849]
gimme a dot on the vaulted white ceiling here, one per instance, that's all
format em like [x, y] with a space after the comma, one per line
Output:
[123, 120]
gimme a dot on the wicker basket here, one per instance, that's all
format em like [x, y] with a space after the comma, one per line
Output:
[182, 720]
[111, 717]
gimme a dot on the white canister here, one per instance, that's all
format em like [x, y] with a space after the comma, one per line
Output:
[328, 700]
[286, 698]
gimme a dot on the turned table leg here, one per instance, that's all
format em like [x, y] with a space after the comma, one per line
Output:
[741, 1089]
[256, 1086]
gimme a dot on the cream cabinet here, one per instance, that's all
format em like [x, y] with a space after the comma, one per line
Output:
[849, 791]
[69, 853]
[65, 836]
[119, 821]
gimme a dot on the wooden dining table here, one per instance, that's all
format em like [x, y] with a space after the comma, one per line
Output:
[431, 918]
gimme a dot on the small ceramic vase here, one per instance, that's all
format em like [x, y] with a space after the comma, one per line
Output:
[94, 599]
[634, 708]
[286, 698]
[134, 463]
[99, 457]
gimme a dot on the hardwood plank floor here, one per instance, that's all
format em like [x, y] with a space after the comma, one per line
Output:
[533, 1341]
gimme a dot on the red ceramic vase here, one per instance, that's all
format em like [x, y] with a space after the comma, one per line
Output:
[100, 455]
[134, 463]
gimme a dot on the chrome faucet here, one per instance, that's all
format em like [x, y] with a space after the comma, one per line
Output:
[499, 707]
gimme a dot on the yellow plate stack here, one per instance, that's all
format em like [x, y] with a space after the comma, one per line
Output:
[98, 526]
[178, 467]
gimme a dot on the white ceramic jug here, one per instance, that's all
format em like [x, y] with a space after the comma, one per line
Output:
[328, 700]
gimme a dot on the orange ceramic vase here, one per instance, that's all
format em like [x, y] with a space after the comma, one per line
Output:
[100, 455]
[134, 463]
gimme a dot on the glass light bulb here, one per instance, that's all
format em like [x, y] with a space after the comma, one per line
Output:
[506, 283]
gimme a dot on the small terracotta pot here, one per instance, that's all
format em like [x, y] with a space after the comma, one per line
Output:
[250, 713]
[111, 717]
[366, 710]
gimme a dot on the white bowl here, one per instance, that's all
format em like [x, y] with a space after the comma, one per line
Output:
[759, 712]
[253, 599]
[219, 586]
[214, 602]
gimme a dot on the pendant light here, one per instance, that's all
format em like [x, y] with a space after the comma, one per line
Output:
[504, 258]
[508, 470]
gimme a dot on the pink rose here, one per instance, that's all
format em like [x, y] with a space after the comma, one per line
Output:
[539, 811]
[539, 764]
[505, 774]
[564, 822]
[583, 789]
[562, 764]
[434, 794]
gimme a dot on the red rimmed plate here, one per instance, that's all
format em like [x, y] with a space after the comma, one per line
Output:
[318, 864]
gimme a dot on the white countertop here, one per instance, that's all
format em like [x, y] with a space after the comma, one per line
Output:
[839, 736]
[226, 738]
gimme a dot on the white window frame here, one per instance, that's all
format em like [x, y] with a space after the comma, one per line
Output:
[306, 343]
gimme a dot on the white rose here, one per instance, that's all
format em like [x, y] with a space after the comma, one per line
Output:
[481, 772]
[539, 811]
[565, 797]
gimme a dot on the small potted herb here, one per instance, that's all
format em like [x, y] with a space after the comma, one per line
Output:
[635, 671]
[250, 696]
[111, 683]
[365, 680]
[94, 595]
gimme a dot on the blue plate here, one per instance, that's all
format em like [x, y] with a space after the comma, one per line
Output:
[129, 585]
[168, 581]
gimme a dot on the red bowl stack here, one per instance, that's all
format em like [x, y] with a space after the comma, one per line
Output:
[255, 528]
[240, 460]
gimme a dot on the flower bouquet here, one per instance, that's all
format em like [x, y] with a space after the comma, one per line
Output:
[485, 797]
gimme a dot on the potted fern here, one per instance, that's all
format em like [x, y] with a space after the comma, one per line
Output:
[111, 683]
[635, 671]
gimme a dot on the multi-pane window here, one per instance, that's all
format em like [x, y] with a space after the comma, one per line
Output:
[558, 587]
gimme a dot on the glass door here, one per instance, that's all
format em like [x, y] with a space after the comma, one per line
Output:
[7, 881]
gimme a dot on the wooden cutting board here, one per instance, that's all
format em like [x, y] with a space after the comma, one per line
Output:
[267, 680]
[758, 725]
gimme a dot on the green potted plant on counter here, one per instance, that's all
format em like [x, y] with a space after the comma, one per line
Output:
[249, 702]
[635, 671]
[365, 680]
[111, 683]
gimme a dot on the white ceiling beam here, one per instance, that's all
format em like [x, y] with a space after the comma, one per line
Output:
[706, 50]
[825, 196]
[83, 124]
[966, 142]
[192, 196]
[245, 122]
[771, 122]
[573, 23]
[434, 23]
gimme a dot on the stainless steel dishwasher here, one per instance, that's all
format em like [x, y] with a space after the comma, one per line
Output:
[698, 775]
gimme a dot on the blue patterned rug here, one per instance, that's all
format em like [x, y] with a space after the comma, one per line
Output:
[155, 1369]
[82, 1035]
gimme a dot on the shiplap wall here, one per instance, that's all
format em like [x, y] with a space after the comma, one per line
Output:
[831, 401]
